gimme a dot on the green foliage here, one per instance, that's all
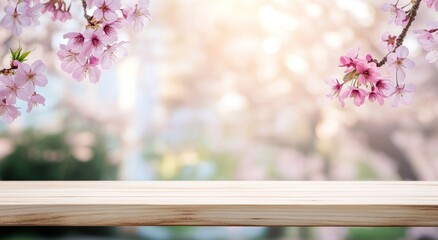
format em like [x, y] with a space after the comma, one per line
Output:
[376, 233]
[196, 162]
[18, 55]
[366, 172]
[40, 156]
[43, 156]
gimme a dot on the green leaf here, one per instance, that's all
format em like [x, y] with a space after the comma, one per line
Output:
[26, 54]
[19, 51]
[22, 58]
[12, 53]
[17, 55]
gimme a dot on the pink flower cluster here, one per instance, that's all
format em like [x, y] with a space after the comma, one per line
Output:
[428, 39]
[96, 48]
[84, 54]
[432, 3]
[21, 13]
[395, 14]
[59, 9]
[20, 82]
[366, 82]
[87, 52]
[362, 74]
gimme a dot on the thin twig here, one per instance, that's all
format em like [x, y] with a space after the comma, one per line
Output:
[7, 71]
[86, 16]
[401, 37]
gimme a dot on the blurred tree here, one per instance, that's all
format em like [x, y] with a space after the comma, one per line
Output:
[42, 156]
[54, 156]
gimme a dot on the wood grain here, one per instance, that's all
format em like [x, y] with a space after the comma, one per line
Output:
[231, 203]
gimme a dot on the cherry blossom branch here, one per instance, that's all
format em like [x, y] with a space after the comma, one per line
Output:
[7, 71]
[86, 16]
[367, 81]
[84, 55]
[401, 37]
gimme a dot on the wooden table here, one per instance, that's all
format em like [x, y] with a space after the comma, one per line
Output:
[219, 203]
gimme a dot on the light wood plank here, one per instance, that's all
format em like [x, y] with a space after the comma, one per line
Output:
[221, 203]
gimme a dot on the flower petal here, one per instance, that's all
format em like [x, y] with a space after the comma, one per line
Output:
[401, 75]
[432, 56]
[402, 52]
[38, 66]
[408, 63]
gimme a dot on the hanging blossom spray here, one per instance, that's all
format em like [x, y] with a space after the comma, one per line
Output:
[363, 80]
[84, 55]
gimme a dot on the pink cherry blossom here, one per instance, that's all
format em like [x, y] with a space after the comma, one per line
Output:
[367, 72]
[402, 94]
[431, 28]
[61, 15]
[363, 74]
[83, 55]
[109, 30]
[431, 3]
[106, 9]
[369, 58]
[86, 53]
[76, 40]
[70, 60]
[90, 3]
[34, 101]
[112, 52]
[335, 87]
[376, 95]
[94, 42]
[389, 41]
[8, 111]
[34, 12]
[139, 14]
[425, 38]
[89, 69]
[11, 89]
[349, 59]
[396, 14]
[16, 18]
[59, 9]
[50, 6]
[353, 92]
[432, 54]
[32, 75]
[382, 86]
[428, 39]
[398, 61]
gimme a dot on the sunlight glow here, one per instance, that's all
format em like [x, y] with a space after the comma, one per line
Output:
[271, 45]
[127, 76]
[231, 102]
[297, 64]
[360, 10]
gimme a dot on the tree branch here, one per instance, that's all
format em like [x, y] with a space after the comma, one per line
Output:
[401, 37]
[84, 6]
[7, 71]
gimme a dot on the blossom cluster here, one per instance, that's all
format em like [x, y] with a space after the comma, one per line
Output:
[59, 9]
[366, 82]
[20, 82]
[84, 54]
[364, 79]
[428, 40]
[98, 47]
[91, 50]
[21, 13]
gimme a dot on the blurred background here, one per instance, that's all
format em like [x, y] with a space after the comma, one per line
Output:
[224, 90]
